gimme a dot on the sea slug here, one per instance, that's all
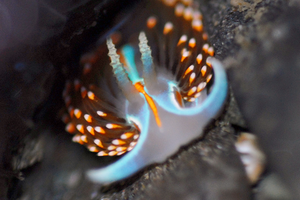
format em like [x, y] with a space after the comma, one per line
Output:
[161, 89]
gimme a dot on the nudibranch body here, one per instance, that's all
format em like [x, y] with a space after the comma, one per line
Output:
[157, 95]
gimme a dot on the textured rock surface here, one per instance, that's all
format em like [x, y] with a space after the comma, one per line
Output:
[268, 94]
[258, 41]
[24, 85]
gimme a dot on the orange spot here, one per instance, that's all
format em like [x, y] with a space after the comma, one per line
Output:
[111, 147]
[76, 138]
[191, 91]
[192, 78]
[188, 14]
[113, 126]
[112, 153]
[205, 48]
[129, 148]
[182, 39]
[197, 15]
[150, 102]
[102, 114]
[170, 3]
[197, 95]
[179, 9]
[88, 118]
[98, 143]
[102, 153]
[203, 70]
[208, 62]
[83, 138]
[77, 113]
[185, 54]
[205, 36]
[199, 59]
[118, 142]
[91, 95]
[71, 111]
[211, 51]
[80, 141]
[70, 128]
[83, 92]
[197, 25]
[93, 148]
[121, 152]
[201, 86]
[151, 22]
[120, 149]
[132, 144]
[191, 100]
[99, 130]
[188, 70]
[168, 28]
[80, 128]
[136, 136]
[208, 78]
[91, 130]
[192, 43]
[127, 135]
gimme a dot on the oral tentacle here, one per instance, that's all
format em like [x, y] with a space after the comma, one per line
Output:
[125, 84]
[149, 73]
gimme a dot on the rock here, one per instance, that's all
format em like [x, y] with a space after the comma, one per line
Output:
[266, 90]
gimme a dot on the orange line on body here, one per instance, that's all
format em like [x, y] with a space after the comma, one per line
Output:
[149, 100]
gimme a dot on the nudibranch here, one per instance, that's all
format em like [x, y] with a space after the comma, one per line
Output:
[161, 90]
